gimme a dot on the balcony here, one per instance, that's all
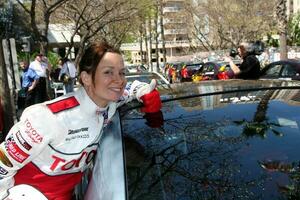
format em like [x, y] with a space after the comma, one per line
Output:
[173, 21]
[175, 31]
[171, 9]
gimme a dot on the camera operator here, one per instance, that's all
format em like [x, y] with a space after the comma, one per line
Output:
[250, 66]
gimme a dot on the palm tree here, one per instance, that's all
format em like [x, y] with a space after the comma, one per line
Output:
[259, 125]
[282, 26]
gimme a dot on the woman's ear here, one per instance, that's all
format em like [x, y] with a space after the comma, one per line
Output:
[86, 78]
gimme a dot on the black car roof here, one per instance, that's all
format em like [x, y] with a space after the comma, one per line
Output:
[219, 138]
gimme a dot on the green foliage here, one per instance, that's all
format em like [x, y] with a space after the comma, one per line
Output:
[272, 42]
[294, 30]
[127, 56]
[26, 56]
[130, 38]
[52, 57]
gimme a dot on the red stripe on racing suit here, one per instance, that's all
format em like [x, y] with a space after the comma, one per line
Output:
[58, 187]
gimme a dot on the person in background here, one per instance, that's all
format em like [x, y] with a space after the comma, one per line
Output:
[250, 66]
[41, 68]
[55, 142]
[29, 82]
[67, 75]
[55, 73]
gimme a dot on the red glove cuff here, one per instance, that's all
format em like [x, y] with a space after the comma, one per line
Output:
[154, 120]
[151, 101]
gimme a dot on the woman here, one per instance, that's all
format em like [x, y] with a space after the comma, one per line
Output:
[250, 66]
[55, 141]
[67, 75]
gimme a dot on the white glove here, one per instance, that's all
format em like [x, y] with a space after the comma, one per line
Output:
[145, 89]
[24, 192]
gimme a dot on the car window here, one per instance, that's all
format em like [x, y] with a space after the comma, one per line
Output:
[145, 78]
[208, 67]
[273, 70]
[193, 66]
[288, 71]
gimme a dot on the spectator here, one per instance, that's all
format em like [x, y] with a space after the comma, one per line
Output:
[250, 66]
[54, 75]
[68, 75]
[29, 82]
[55, 142]
[41, 68]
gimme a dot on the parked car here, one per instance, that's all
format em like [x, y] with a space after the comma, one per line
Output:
[210, 71]
[188, 70]
[147, 77]
[283, 69]
[136, 68]
[233, 139]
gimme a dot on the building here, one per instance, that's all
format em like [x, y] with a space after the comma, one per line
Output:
[176, 36]
[59, 37]
[293, 6]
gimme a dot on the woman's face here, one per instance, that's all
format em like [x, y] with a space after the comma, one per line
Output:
[109, 82]
[242, 51]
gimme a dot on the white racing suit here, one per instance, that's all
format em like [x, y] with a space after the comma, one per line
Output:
[54, 142]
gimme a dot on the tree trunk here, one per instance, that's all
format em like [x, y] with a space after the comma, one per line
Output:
[141, 43]
[283, 46]
[282, 26]
[6, 99]
[161, 17]
[156, 37]
[146, 42]
[150, 43]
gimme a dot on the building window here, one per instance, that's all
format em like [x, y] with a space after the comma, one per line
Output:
[178, 50]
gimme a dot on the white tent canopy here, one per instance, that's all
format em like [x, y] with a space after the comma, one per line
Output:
[60, 34]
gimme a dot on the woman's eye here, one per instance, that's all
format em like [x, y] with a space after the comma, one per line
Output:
[122, 73]
[108, 72]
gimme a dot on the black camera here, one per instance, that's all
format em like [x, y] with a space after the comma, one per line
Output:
[254, 48]
[233, 52]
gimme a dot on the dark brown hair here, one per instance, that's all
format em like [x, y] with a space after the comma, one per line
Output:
[92, 57]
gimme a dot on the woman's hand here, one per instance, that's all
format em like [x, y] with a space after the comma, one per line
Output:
[150, 97]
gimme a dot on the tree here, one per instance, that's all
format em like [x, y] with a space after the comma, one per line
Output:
[219, 24]
[156, 33]
[99, 20]
[282, 26]
[40, 13]
[161, 21]
[6, 99]
[294, 30]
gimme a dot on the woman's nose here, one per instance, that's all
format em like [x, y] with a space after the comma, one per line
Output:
[118, 77]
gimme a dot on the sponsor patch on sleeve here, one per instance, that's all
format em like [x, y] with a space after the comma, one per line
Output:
[15, 151]
[4, 159]
[22, 141]
[3, 172]
[32, 133]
